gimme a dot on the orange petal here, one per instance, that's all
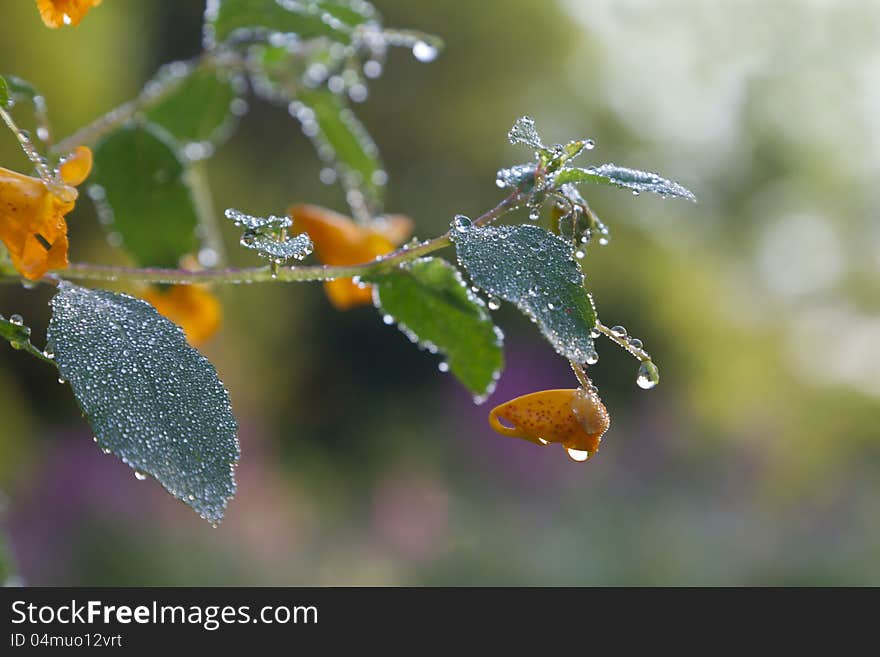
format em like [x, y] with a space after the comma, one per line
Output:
[192, 307]
[32, 224]
[75, 168]
[344, 294]
[58, 13]
[575, 418]
[339, 241]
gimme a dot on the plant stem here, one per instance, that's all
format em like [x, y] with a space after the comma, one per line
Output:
[623, 342]
[90, 272]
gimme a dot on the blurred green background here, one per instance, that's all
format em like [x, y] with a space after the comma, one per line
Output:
[755, 461]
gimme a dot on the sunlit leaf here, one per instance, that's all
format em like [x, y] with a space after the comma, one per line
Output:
[342, 141]
[611, 174]
[141, 192]
[202, 108]
[430, 303]
[245, 20]
[535, 270]
[150, 398]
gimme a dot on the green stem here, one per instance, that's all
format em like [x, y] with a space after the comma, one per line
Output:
[108, 273]
[623, 342]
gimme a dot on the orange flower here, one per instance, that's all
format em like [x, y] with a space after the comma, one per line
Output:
[340, 241]
[575, 418]
[32, 214]
[192, 307]
[58, 13]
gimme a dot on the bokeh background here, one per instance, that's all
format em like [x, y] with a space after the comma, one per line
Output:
[755, 461]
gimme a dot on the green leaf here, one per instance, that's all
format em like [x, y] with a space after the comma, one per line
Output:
[4, 92]
[247, 20]
[150, 398]
[535, 270]
[343, 141]
[611, 174]
[432, 305]
[142, 195]
[19, 337]
[202, 108]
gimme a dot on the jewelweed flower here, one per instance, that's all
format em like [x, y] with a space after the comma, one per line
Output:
[340, 241]
[577, 419]
[32, 214]
[58, 13]
[192, 307]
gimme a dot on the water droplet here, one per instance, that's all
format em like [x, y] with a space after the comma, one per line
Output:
[461, 223]
[18, 320]
[424, 52]
[592, 357]
[493, 303]
[580, 255]
[589, 144]
[372, 69]
[543, 442]
[535, 213]
[579, 455]
[443, 366]
[618, 331]
[636, 343]
[140, 476]
[649, 375]
[388, 319]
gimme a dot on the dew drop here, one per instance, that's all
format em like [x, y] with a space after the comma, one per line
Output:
[461, 223]
[388, 319]
[592, 357]
[140, 476]
[493, 303]
[543, 442]
[443, 366]
[580, 255]
[648, 376]
[618, 331]
[424, 52]
[18, 320]
[579, 455]
[589, 144]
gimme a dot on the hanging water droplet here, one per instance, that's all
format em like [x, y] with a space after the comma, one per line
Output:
[424, 52]
[388, 319]
[372, 68]
[494, 303]
[649, 375]
[140, 476]
[580, 255]
[461, 223]
[443, 366]
[635, 192]
[603, 241]
[535, 213]
[543, 442]
[18, 320]
[592, 357]
[589, 144]
[579, 455]
[61, 381]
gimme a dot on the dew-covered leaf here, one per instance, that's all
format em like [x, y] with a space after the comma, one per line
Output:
[142, 195]
[247, 20]
[278, 248]
[150, 398]
[201, 109]
[535, 270]
[524, 132]
[342, 141]
[431, 304]
[611, 174]
[252, 222]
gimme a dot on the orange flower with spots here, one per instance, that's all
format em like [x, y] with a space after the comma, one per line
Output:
[58, 13]
[192, 307]
[32, 214]
[577, 419]
[339, 241]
